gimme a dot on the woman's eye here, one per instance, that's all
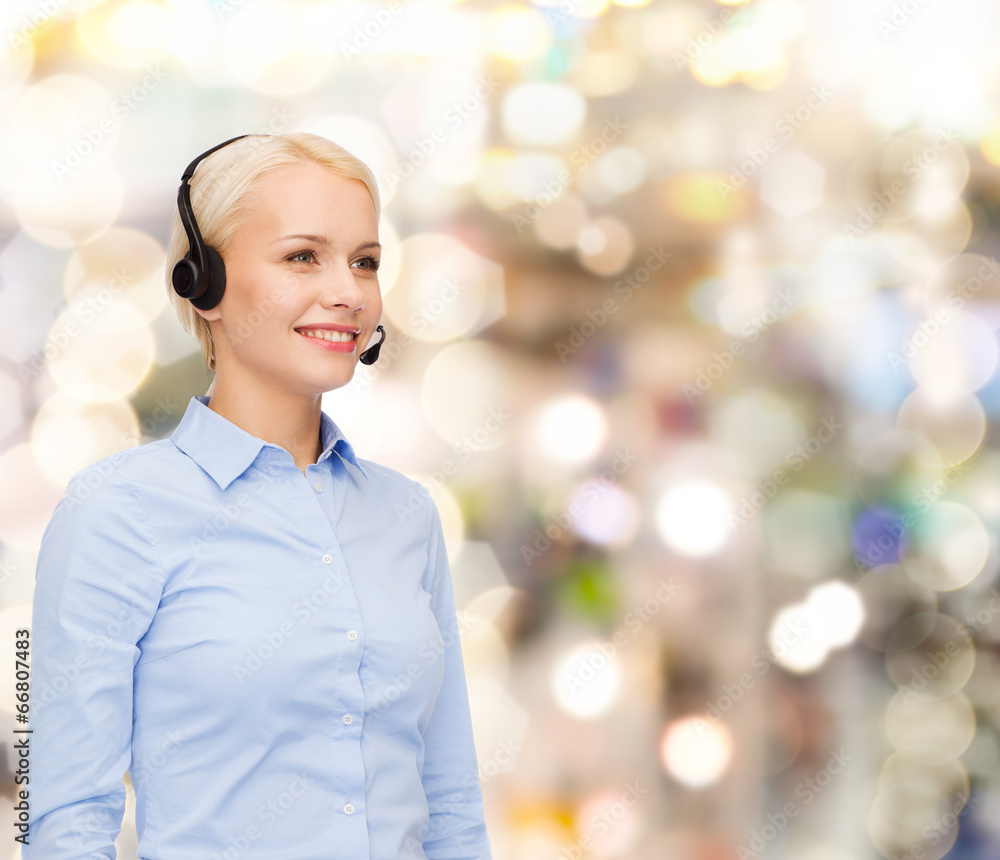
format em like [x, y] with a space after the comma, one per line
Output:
[295, 257]
[373, 264]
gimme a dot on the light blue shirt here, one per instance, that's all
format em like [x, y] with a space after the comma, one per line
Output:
[274, 656]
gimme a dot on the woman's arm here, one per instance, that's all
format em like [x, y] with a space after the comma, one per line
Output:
[457, 828]
[97, 586]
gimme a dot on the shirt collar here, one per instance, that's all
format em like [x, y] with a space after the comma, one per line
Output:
[226, 451]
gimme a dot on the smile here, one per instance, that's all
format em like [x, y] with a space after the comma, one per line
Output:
[327, 334]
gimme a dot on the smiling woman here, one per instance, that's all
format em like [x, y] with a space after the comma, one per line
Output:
[231, 614]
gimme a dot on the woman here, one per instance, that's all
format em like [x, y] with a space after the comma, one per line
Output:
[254, 622]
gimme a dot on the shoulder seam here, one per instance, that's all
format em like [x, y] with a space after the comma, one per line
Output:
[152, 540]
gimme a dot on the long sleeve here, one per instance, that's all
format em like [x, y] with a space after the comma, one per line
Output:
[457, 829]
[97, 586]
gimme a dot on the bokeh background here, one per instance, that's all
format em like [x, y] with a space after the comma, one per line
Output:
[691, 313]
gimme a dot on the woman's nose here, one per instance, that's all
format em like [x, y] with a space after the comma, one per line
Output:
[340, 287]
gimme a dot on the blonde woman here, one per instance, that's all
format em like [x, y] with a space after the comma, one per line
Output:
[255, 623]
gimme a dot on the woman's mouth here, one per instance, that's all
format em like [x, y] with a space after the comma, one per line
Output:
[336, 341]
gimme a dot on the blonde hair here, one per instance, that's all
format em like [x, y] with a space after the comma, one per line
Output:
[221, 199]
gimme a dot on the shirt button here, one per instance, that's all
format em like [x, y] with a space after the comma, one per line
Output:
[319, 486]
[352, 634]
[348, 719]
[349, 809]
[327, 559]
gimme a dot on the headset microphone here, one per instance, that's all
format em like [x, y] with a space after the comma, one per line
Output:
[370, 355]
[200, 275]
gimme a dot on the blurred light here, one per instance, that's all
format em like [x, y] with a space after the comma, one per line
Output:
[559, 224]
[270, 49]
[926, 764]
[695, 751]
[970, 283]
[16, 62]
[517, 33]
[478, 418]
[951, 547]
[541, 113]
[63, 125]
[615, 825]
[896, 467]
[914, 718]
[579, 8]
[798, 638]
[444, 290]
[792, 183]
[476, 570]
[365, 139]
[989, 143]
[697, 197]
[620, 170]
[932, 168]
[759, 424]
[27, 498]
[954, 357]
[891, 594]
[610, 519]
[571, 428]
[605, 72]
[807, 533]
[120, 261]
[68, 434]
[605, 245]
[493, 602]
[933, 655]
[534, 178]
[693, 517]
[841, 610]
[931, 238]
[103, 355]
[85, 205]
[954, 424]
[586, 680]
[880, 536]
[912, 818]
[128, 34]
[492, 183]
[383, 421]
[484, 650]
[11, 411]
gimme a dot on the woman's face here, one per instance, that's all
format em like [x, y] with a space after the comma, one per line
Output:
[305, 256]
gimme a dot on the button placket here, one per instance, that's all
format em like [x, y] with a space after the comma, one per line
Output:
[313, 511]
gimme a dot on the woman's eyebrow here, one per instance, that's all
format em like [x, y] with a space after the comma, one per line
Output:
[322, 240]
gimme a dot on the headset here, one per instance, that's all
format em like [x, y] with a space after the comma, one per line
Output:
[200, 275]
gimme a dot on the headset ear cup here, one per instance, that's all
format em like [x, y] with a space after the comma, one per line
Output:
[216, 280]
[185, 277]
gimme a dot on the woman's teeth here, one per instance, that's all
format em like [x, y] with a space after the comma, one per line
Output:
[327, 334]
